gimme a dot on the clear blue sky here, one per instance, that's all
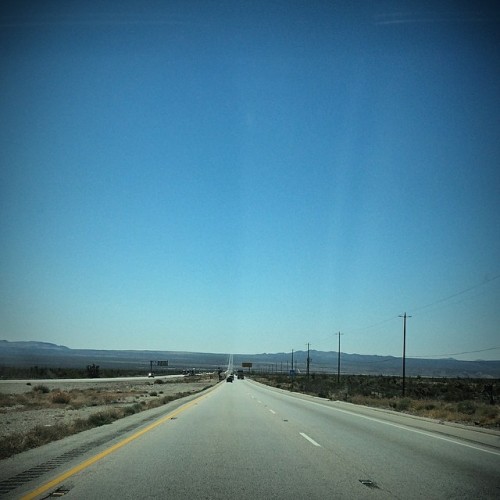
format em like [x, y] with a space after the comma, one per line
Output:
[227, 176]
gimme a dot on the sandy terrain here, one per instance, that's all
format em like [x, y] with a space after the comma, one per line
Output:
[85, 398]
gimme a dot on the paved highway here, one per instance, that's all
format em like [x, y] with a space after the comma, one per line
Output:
[244, 440]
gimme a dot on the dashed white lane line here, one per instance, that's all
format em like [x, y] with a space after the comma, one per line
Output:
[273, 412]
[311, 440]
[416, 431]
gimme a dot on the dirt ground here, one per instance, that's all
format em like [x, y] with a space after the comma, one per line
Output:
[20, 411]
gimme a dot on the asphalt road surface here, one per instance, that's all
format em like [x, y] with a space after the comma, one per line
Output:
[243, 440]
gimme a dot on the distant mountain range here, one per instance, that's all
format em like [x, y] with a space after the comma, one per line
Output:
[44, 354]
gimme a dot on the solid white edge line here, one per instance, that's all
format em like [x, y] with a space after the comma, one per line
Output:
[311, 440]
[416, 431]
[456, 441]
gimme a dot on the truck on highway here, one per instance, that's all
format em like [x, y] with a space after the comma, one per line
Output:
[240, 374]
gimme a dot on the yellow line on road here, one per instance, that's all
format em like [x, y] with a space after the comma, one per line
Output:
[87, 463]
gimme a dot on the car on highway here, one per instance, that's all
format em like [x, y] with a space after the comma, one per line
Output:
[230, 378]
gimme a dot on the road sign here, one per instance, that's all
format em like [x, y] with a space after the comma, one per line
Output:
[246, 365]
[162, 363]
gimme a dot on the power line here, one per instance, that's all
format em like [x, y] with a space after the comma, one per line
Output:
[420, 308]
[461, 292]
[456, 353]
[385, 360]
[375, 324]
[438, 301]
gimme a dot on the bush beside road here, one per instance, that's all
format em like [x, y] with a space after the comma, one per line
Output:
[41, 413]
[464, 401]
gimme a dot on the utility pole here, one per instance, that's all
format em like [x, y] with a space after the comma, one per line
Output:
[292, 359]
[308, 360]
[338, 359]
[404, 316]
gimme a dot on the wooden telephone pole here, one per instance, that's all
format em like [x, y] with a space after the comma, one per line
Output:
[338, 359]
[404, 316]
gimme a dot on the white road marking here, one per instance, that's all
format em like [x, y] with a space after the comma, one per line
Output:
[309, 439]
[416, 431]
[403, 427]
[273, 412]
[457, 441]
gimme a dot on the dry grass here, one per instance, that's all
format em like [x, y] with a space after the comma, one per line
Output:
[73, 399]
[121, 404]
[464, 401]
[465, 412]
